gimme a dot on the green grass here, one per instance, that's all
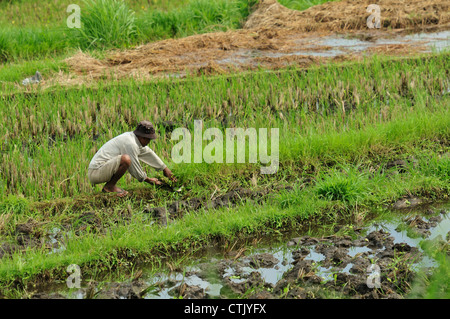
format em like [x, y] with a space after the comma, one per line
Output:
[200, 16]
[14, 205]
[106, 23]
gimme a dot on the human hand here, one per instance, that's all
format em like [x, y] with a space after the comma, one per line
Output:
[168, 173]
[154, 181]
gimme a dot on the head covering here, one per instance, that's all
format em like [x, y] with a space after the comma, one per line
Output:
[145, 129]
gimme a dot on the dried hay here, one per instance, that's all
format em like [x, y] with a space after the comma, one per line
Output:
[397, 49]
[82, 63]
[349, 15]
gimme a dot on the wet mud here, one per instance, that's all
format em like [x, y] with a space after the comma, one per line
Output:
[380, 260]
[177, 209]
[31, 233]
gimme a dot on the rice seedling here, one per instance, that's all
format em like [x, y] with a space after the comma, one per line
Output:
[348, 185]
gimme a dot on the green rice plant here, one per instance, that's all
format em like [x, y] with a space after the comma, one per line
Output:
[348, 185]
[14, 204]
[4, 47]
[106, 23]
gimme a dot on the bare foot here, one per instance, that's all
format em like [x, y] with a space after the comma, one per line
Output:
[120, 192]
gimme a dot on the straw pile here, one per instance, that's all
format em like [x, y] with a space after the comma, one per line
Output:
[349, 15]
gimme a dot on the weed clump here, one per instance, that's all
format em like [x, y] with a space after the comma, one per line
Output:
[16, 204]
[347, 186]
[106, 24]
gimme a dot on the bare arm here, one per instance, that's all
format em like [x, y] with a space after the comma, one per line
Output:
[168, 173]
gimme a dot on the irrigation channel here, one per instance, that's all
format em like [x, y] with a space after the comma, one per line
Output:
[380, 260]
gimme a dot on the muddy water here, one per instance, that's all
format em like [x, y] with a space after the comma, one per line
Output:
[304, 50]
[384, 254]
[336, 45]
[273, 262]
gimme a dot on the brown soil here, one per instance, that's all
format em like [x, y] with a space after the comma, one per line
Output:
[270, 28]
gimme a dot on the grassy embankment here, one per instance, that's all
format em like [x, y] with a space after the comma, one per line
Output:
[335, 134]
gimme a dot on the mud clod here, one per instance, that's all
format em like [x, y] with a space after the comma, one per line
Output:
[188, 292]
[409, 202]
[378, 239]
[264, 260]
[250, 281]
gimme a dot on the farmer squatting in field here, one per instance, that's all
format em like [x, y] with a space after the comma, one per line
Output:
[122, 154]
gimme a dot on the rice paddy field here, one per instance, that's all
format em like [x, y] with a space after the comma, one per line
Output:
[364, 139]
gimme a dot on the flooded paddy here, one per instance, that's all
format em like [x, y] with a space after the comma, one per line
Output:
[379, 260]
[332, 46]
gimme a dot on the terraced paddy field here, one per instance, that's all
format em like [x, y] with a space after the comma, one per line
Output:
[357, 206]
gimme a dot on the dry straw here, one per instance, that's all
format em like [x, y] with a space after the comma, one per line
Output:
[349, 15]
